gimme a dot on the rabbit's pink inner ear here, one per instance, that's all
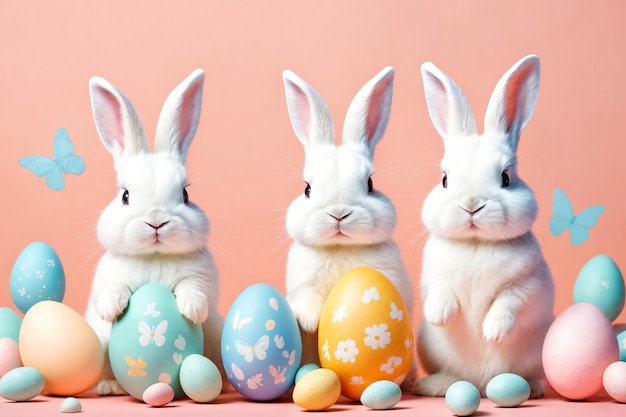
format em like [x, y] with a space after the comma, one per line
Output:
[378, 106]
[516, 97]
[110, 120]
[189, 115]
[300, 112]
[438, 99]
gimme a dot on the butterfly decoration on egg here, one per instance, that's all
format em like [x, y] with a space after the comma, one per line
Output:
[565, 219]
[53, 169]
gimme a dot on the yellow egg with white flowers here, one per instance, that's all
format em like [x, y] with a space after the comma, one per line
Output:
[365, 332]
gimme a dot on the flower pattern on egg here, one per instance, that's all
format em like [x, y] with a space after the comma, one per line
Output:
[370, 295]
[339, 314]
[377, 336]
[357, 380]
[391, 364]
[396, 313]
[346, 351]
[325, 350]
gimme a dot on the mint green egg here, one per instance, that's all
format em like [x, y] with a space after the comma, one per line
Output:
[10, 323]
[21, 384]
[150, 341]
[508, 390]
[600, 282]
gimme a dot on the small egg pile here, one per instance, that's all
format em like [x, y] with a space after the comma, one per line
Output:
[505, 390]
[318, 388]
[582, 352]
[72, 359]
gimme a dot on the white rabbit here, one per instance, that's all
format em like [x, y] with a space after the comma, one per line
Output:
[488, 293]
[151, 231]
[340, 221]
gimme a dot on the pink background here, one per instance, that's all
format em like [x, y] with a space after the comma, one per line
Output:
[245, 164]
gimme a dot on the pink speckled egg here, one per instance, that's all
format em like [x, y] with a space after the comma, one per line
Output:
[9, 355]
[578, 347]
[614, 381]
[158, 394]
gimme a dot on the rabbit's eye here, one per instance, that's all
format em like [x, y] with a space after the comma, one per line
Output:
[185, 196]
[370, 185]
[506, 181]
[444, 180]
[307, 190]
[125, 197]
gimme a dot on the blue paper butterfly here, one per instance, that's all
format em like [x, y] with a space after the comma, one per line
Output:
[64, 162]
[564, 218]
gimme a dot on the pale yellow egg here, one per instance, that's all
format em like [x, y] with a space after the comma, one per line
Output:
[58, 342]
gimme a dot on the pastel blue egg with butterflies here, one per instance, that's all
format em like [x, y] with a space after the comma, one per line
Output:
[600, 282]
[261, 344]
[150, 340]
[564, 218]
[37, 275]
[64, 162]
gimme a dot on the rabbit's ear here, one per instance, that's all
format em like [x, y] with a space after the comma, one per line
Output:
[448, 107]
[117, 122]
[368, 114]
[179, 118]
[310, 119]
[513, 100]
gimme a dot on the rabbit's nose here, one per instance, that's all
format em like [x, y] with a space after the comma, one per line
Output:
[341, 216]
[158, 225]
[473, 206]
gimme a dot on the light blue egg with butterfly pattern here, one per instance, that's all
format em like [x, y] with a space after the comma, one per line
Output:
[261, 344]
[37, 275]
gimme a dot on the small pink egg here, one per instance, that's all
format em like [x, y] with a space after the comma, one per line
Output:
[158, 394]
[578, 347]
[9, 355]
[614, 381]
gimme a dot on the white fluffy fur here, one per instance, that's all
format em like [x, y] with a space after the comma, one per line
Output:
[156, 237]
[488, 293]
[340, 225]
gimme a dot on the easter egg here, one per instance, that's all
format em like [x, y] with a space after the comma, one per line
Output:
[620, 331]
[578, 347]
[261, 344]
[36, 275]
[614, 381]
[158, 394]
[21, 384]
[9, 355]
[508, 390]
[10, 323]
[365, 332]
[381, 395]
[57, 341]
[463, 398]
[305, 369]
[200, 379]
[317, 390]
[71, 405]
[150, 340]
[600, 282]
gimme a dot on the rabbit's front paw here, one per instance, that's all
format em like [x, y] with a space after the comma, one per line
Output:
[110, 387]
[193, 305]
[112, 301]
[497, 324]
[308, 313]
[440, 308]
